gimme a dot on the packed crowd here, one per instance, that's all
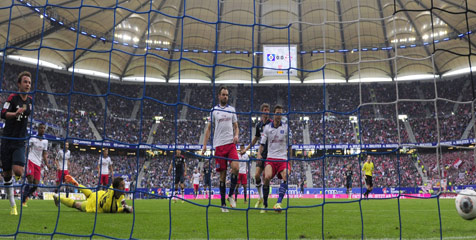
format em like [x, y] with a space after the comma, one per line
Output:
[389, 170]
[446, 165]
[68, 104]
[377, 123]
[157, 176]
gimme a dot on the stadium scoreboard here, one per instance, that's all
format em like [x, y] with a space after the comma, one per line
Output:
[276, 59]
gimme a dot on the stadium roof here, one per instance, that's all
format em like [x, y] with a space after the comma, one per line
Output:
[364, 40]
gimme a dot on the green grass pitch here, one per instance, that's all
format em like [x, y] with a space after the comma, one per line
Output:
[419, 219]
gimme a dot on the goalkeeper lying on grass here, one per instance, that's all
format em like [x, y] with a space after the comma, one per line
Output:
[110, 201]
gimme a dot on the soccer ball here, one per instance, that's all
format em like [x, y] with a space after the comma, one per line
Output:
[466, 204]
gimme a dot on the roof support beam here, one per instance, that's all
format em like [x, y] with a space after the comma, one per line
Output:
[341, 26]
[126, 67]
[301, 62]
[453, 4]
[31, 13]
[49, 30]
[438, 72]
[258, 76]
[174, 43]
[32, 38]
[451, 26]
[384, 29]
[96, 41]
[217, 38]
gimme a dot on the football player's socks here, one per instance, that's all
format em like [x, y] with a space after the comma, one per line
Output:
[282, 191]
[32, 190]
[234, 180]
[258, 181]
[265, 195]
[222, 193]
[29, 190]
[26, 193]
[259, 186]
[8, 181]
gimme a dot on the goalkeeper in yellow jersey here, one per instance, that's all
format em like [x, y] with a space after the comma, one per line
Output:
[110, 201]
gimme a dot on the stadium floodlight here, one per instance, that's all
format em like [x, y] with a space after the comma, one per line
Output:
[353, 119]
[402, 117]
[35, 61]
[416, 77]
[305, 118]
[460, 71]
[158, 119]
[93, 73]
[141, 79]
[371, 79]
[327, 80]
